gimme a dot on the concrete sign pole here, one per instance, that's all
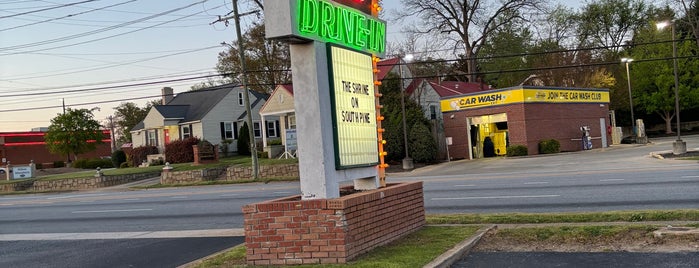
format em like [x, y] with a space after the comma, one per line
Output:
[316, 153]
[297, 22]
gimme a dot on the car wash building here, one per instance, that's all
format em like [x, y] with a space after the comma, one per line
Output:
[524, 115]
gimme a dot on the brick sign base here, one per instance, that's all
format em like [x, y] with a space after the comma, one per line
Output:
[291, 231]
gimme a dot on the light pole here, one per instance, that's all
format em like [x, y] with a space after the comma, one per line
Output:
[679, 146]
[628, 78]
[407, 161]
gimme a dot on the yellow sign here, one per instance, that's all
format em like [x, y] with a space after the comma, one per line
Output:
[524, 95]
[354, 108]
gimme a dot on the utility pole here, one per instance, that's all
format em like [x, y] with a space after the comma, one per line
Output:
[111, 132]
[243, 79]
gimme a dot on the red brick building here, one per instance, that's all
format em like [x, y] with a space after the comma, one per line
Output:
[525, 115]
[22, 147]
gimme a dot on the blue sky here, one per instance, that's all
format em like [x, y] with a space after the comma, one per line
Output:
[53, 46]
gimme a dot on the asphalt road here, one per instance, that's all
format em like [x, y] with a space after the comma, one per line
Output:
[164, 252]
[578, 259]
[618, 178]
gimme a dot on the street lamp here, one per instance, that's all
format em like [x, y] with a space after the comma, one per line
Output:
[679, 146]
[628, 78]
[407, 161]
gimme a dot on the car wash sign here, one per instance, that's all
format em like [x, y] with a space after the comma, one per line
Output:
[355, 26]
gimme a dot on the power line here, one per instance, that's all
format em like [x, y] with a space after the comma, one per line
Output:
[110, 87]
[107, 101]
[66, 16]
[70, 37]
[46, 9]
[110, 65]
[187, 73]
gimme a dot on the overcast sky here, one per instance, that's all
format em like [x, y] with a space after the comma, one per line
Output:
[83, 47]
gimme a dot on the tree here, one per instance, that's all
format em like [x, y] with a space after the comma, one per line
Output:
[244, 140]
[653, 89]
[422, 148]
[74, 132]
[511, 39]
[393, 117]
[268, 61]
[691, 16]
[127, 115]
[465, 23]
[609, 23]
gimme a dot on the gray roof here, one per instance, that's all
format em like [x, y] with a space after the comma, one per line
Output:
[172, 111]
[200, 102]
[138, 126]
[194, 105]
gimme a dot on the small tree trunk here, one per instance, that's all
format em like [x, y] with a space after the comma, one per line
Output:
[668, 121]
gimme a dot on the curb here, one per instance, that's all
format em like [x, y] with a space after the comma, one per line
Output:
[457, 252]
[206, 258]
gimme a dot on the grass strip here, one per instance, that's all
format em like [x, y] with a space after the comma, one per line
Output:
[610, 216]
[579, 234]
[414, 250]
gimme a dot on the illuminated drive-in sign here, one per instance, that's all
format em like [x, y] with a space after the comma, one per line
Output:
[326, 21]
[354, 108]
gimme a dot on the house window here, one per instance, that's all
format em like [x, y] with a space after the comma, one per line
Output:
[228, 132]
[433, 112]
[152, 138]
[186, 132]
[240, 98]
[257, 129]
[271, 129]
[292, 121]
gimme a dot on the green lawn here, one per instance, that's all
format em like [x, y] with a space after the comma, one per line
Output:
[414, 250]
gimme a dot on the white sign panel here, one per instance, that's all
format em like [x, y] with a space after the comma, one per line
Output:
[22, 172]
[291, 140]
[354, 107]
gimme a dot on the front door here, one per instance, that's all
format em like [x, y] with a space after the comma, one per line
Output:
[166, 132]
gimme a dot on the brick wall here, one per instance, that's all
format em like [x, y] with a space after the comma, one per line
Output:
[235, 173]
[294, 231]
[532, 122]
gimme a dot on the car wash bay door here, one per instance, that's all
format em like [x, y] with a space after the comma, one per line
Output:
[491, 128]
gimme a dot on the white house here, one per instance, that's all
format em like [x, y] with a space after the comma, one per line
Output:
[213, 114]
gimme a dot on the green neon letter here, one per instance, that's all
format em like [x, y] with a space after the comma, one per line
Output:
[361, 32]
[348, 23]
[308, 21]
[327, 18]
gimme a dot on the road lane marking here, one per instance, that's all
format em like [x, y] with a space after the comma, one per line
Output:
[689, 177]
[536, 182]
[132, 199]
[112, 210]
[496, 197]
[282, 192]
[465, 185]
[179, 197]
[612, 180]
[228, 195]
[124, 235]
[74, 196]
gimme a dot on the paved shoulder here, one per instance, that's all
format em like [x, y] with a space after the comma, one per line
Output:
[578, 259]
